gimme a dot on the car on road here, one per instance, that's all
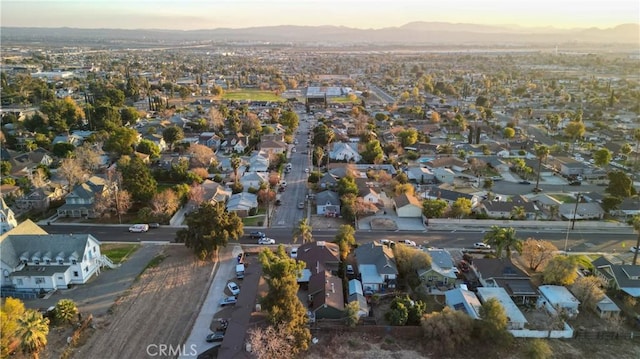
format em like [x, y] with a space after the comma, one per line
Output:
[407, 242]
[524, 182]
[139, 228]
[293, 150]
[266, 240]
[306, 170]
[233, 288]
[294, 252]
[633, 249]
[301, 205]
[575, 183]
[350, 270]
[231, 300]
[154, 225]
[480, 245]
[215, 337]
[256, 235]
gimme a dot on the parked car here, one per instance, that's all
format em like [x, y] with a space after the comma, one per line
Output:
[387, 242]
[231, 300]
[301, 205]
[215, 337]
[633, 249]
[265, 240]
[294, 252]
[524, 182]
[480, 245]
[233, 288]
[154, 225]
[407, 242]
[575, 183]
[256, 235]
[350, 270]
[139, 228]
[222, 327]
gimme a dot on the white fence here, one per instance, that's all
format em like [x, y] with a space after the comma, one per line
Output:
[526, 333]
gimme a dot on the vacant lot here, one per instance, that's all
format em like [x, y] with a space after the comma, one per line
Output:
[158, 308]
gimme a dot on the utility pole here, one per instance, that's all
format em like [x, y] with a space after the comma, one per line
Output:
[575, 211]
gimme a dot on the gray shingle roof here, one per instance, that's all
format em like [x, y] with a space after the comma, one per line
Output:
[379, 255]
[14, 246]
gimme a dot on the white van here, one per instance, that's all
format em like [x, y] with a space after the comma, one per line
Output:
[138, 228]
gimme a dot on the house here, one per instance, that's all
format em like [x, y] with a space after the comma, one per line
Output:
[79, 203]
[242, 203]
[408, 206]
[253, 179]
[628, 208]
[214, 192]
[499, 209]
[327, 181]
[210, 139]
[453, 163]
[7, 218]
[515, 318]
[444, 175]
[463, 300]
[501, 272]
[236, 143]
[585, 211]
[568, 166]
[25, 164]
[420, 175]
[326, 298]
[356, 294]
[34, 260]
[273, 147]
[377, 267]
[327, 203]
[259, 162]
[442, 271]
[320, 256]
[557, 299]
[369, 195]
[40, 198]
[606, 308]
[342, 151]
[449, 196]
[623, 277]
[157, 139]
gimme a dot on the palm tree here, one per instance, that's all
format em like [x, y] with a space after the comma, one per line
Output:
[303, 230]
[235, 164]
[32, 332]
[504, 239]
[636, 227]
[518, 212]
[66, 311]
[542, 152]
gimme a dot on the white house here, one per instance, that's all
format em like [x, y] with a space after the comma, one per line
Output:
[34, 260]
[408, 206]
[369, 195]
[7, 218]
[557, 299]
[444, 175]
[327, 203]
[253, 179]
[241, 203]
[259, 162]
[342, 151]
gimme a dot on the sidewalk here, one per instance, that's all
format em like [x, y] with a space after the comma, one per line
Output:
[222, 271]
[444, 224]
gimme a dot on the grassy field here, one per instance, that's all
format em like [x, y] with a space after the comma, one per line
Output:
[118, 253]
[251, 95]
[340, 100]
[563, 198]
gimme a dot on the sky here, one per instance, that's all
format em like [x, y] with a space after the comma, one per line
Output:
[363, 14]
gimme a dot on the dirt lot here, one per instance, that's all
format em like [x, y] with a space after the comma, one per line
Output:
[158, 309]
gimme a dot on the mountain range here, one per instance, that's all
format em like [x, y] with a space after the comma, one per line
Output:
[414, 33]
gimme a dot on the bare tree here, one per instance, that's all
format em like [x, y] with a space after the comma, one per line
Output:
[89, 156]
[196, 193]
[123, 203]
[200, 155]
[71, 170]
[588, 290]
[271, 342]
[164, 203]
[39, 178]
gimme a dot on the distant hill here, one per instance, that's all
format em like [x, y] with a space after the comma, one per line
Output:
[415, 33]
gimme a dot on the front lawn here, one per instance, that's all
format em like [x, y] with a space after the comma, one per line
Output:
[563, 198]
[118, 253]
[254, 221]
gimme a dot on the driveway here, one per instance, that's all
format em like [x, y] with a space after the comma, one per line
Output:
[99, 294]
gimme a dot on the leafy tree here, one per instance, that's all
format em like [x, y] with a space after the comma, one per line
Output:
[105, 117]
[574, 130]
[493, 324]
[290, 119]
[398, 313]
[281, 301]
[11, 311]
[348, 207]
[561, 270]
[304, 231]
[508, 132]
[345, 238]
[63, 149]
[122, 141]
[32, 332]
[409, 260]
[137, 179]
[588, 290]
[149, 147]
[620, 185]
[448, 330]
[5, 168]
[373, 152]
[461, 207]
[503, 240]
[352, 314]
[610, 203]
[129, 115]
[347, 185]
[542, 152]
[209, 228]
[434, 208]
[518, 212]
[538, 349]
[172, 134]
[602, 157]
[65, 311]
[536, 253]
[322, 135]
[408, 137]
